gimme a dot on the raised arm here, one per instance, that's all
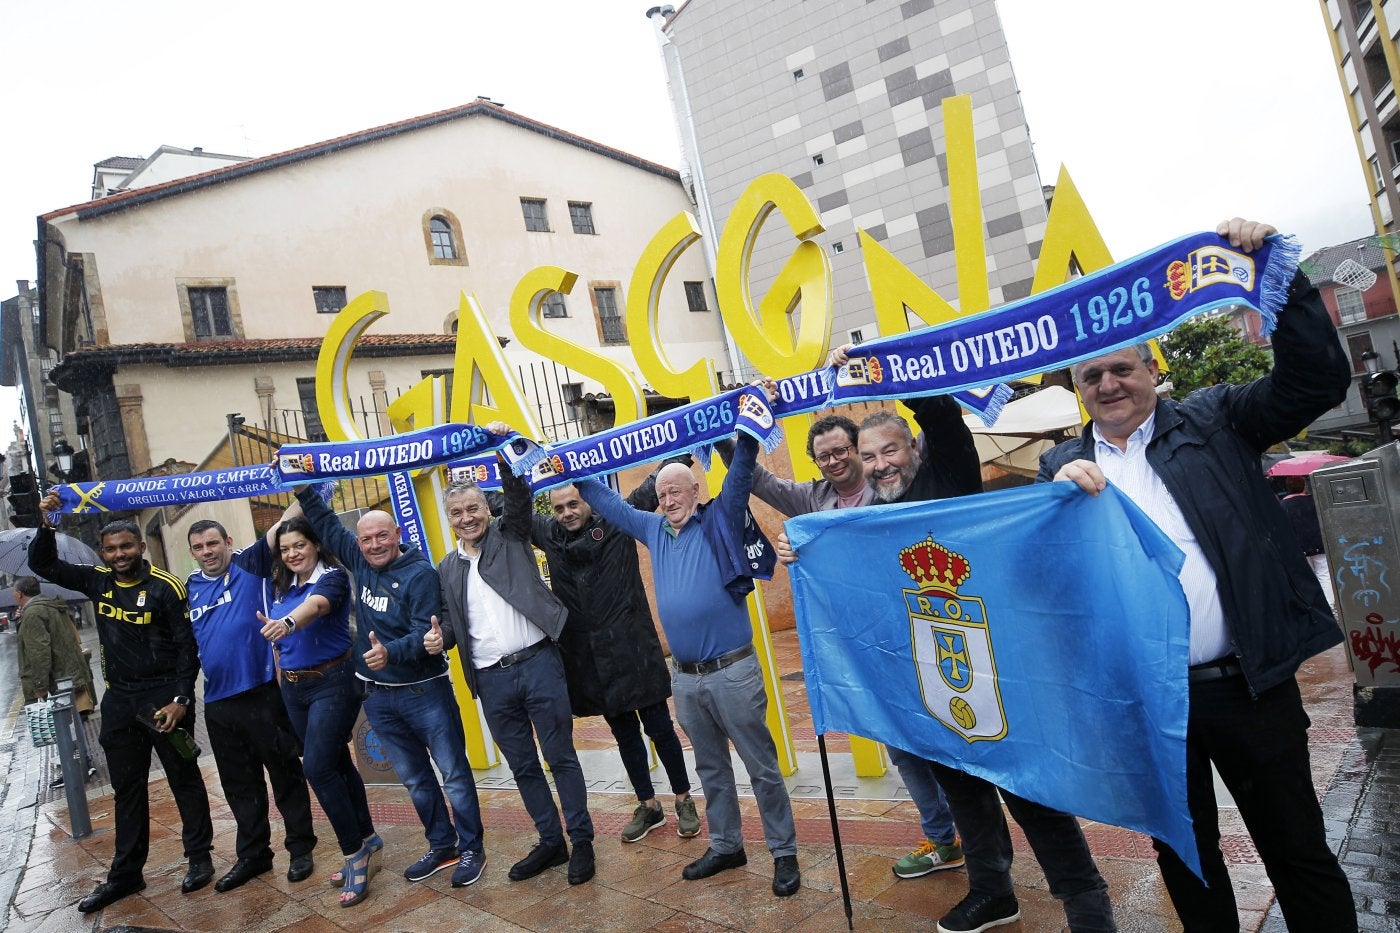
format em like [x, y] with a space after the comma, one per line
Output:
[332, 533]
[787, 496]
[1310, 373]
[607, 503]
[733, 496]
[45, 562]
[948, 445]
[291, 512]
[519, 505]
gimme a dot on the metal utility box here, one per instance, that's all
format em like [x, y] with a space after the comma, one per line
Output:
[1358, 507]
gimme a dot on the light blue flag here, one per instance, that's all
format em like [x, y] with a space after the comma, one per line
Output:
[1035, 637]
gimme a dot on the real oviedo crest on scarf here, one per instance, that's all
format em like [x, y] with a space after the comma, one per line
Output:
[952, 643]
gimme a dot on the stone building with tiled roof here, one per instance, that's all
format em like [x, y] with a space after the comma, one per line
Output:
[177, 304]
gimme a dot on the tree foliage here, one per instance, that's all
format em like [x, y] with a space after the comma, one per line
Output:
[1207, 351]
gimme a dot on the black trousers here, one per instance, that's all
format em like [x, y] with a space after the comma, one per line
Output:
[1260, 747]
[1055, 838]
[250, 732]
[128, 744]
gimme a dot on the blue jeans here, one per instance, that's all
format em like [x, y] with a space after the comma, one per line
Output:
[726, 706]
[530, 700]
[1055, 837]
[417, 720]
[323, 714]
[918, 777]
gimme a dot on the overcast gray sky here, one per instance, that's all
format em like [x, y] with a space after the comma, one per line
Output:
[1168, 116]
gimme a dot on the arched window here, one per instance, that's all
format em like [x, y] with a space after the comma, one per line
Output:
[443, 245]
[442, 235]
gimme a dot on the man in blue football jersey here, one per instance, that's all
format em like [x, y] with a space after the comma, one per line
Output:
[248, 725]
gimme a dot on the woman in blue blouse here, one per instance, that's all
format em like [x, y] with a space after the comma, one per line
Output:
[310, 627]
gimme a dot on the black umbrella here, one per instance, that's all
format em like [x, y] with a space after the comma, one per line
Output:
[7, 594]
[14, 551]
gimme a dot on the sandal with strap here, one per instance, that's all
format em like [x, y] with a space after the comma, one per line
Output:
[373, 843]
[358, 871]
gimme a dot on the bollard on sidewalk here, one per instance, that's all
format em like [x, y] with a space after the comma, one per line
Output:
[73, 756]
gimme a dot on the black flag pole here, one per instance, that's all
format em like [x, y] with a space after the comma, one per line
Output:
[835, 831]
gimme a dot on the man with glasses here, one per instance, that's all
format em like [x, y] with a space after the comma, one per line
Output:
[831, 443]
[1257, 611]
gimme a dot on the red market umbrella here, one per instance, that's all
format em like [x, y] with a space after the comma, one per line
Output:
[1303, 464]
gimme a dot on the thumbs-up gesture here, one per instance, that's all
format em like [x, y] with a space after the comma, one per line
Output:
[432, 641]
[272, 629]
[377, 657]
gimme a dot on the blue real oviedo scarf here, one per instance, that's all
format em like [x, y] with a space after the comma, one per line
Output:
[1113, 308]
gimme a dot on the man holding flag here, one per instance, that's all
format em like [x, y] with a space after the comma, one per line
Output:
[831, 443]
[1256, 610]
[898, 471]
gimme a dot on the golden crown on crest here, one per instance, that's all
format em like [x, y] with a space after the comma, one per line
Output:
[934, 568]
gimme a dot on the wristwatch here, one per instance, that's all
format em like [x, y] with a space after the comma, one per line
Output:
[183, 701]
[290, 623]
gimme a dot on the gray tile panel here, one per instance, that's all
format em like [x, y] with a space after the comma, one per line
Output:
[1004, 225]
[836, 81]
[848, 132]
[890, 49]
[831, 201]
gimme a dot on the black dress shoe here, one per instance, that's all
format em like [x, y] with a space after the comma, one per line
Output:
[109, 892]
[786, 878]
[581, 863]
[540, 858]
[712, 863]
[301, 867]
[200, 874]
[243, 871]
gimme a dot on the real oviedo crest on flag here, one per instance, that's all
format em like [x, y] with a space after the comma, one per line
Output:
[952, 643]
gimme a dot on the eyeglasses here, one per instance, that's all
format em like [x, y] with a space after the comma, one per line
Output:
[1120, 371]
[835, 453]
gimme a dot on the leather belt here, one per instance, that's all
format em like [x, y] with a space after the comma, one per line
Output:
[317, 672]
[716, 664]
[514, 658]
[1219, 669]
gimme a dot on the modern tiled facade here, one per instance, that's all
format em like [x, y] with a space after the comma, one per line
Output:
[844, 97]
[1363, 38]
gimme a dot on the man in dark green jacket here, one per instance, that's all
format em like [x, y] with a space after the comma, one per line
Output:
[49, 650]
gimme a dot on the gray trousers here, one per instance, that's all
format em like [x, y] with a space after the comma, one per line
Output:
[729, 706]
